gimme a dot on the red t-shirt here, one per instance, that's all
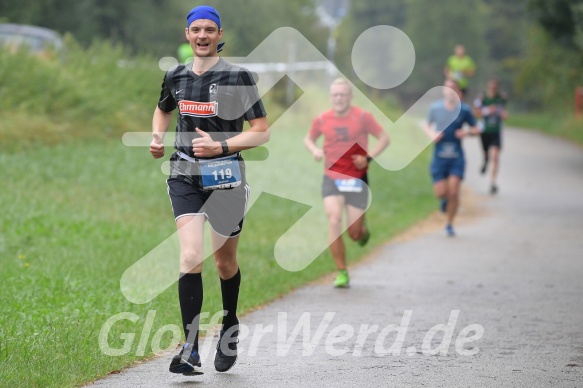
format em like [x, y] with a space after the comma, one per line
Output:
[343, 137]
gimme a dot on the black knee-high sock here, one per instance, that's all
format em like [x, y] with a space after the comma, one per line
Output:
[190, 296]
[230, 293]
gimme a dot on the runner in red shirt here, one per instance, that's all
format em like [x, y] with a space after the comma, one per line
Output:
[345, 129]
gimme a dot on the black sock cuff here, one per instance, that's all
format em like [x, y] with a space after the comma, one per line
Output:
[235, 279]
[188, 276]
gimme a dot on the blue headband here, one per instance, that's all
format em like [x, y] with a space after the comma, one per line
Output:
[203, 12]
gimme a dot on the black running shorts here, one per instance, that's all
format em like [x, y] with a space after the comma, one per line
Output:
[224, 209]
[491, 140]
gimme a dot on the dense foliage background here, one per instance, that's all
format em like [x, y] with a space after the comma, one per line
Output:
[534, 46]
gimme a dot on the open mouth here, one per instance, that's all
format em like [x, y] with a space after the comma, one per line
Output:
[202, 45]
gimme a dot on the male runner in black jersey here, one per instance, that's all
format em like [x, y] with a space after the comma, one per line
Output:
[207, 175]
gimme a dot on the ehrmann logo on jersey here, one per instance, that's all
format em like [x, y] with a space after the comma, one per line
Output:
[198, 109]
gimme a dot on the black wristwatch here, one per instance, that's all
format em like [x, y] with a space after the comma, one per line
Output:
[225, 147]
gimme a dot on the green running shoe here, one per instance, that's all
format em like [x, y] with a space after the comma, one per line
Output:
[341, 279]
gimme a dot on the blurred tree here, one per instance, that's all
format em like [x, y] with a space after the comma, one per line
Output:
[493, 31]
[553, 64]
[562, 19]
[435, 28]
[158, 27]
[249, 23]
[507, 26]
[363, 15]
[127, 22]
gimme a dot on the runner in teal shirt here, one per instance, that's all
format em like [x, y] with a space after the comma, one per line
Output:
[445, 126]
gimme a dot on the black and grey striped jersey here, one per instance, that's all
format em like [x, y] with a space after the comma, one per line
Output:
[217, 101]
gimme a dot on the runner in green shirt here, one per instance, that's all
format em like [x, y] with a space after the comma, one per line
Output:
[490, 106]
[460, 67]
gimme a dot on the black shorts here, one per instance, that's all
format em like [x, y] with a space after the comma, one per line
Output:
[491, 140]
[224, 209]
[359, 200]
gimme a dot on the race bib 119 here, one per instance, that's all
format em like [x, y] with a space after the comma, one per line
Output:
[223, 173]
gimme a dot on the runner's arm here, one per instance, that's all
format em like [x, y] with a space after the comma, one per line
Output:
[447, 68]
[431, 133]
[477, 108]
[310, 144]
[362, 161]
[258, 134]
[160, 124]
[504, 111]
[470, 131]
[471, 70]
[474, 130]
[382, 143]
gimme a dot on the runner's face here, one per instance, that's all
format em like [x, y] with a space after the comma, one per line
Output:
[340, 97]
[492, 87]
[204, 36]
[460, 50]
[451, 91]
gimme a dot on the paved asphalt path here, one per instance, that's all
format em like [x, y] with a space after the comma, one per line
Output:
[515, 271]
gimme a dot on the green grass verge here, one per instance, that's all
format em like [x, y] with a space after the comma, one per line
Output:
[79, 208]
[75, 217]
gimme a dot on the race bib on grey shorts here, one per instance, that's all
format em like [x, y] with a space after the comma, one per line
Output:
[349, 185]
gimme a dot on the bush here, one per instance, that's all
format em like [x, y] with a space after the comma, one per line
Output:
[90, 94]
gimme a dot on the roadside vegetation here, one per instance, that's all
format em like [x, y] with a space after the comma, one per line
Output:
[80, 207]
